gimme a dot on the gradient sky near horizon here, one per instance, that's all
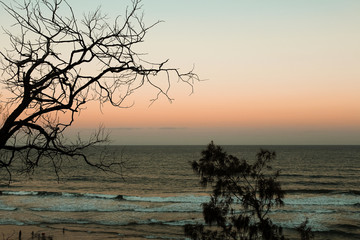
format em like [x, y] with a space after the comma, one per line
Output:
[277, 72]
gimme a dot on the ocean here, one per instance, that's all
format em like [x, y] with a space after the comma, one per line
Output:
[158, 193]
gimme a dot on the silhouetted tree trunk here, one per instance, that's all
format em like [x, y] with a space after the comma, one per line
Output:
[56, 64]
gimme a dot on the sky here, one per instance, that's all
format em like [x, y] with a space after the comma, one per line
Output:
[275, 72]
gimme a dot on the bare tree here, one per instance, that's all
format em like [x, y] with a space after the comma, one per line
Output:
[49, 70]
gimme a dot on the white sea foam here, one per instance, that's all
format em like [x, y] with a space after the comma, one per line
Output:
[337, 200]
[175, 199]
[4, 207]
[8, 221]
[20, 193]
[84, 206]
[96, 195]
[177, 207]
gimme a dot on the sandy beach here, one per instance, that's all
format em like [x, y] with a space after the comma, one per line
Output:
[93, 232]
[10, 232]
[90, 232]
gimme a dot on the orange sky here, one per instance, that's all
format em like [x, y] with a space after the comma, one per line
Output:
[280, 69]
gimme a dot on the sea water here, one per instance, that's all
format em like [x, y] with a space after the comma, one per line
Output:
[158, 193]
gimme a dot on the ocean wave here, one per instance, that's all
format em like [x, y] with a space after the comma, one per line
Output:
[304, 211]
[175, 208]
[61, 194]
[7, 208]
[98, 207]
[313, 183]
[321, 191]
[173, 199]
[74, 209]
[45, 193]
[150, 221]
[90, 205]
[192, 202]
[298, 175]
[335, 200]
[19, 193]
[7, 221]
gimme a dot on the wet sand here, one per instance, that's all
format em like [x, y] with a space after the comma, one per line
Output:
[44, 232]
[132, 232]
[90, 232]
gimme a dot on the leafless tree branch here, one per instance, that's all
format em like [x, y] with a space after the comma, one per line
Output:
[49, 71]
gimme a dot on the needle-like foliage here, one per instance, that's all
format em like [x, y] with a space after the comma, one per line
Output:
[243, 195]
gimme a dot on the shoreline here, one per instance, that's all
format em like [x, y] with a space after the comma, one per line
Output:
[129, 232]
[42, 232]
[89, 232]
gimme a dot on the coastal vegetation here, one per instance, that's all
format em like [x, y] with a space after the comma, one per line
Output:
[242, 197]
